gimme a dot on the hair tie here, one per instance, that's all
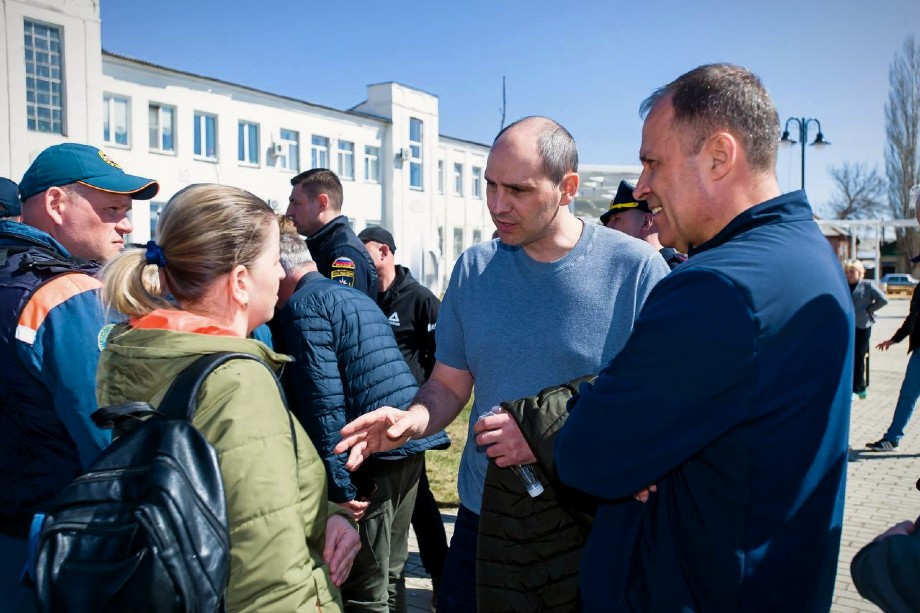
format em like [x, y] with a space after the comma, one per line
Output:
[155, 254]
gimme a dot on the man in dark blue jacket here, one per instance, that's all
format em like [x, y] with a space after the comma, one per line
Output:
[746, 443]
[346, 364]
[316, 208]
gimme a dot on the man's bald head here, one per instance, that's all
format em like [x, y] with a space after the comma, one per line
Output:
[554, 143]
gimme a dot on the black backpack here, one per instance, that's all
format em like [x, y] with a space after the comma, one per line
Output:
[145, 527]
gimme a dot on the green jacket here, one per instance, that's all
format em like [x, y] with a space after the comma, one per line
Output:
[276, 508]
[529, 549]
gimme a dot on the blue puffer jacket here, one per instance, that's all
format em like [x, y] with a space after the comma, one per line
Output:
[50, 323]
[346, 363]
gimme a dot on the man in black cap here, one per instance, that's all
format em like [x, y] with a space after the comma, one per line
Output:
[412, 311]
[316, 207]
[633, 217]
[75, 203]
[10, 208]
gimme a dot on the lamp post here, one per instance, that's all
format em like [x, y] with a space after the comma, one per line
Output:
[803, 123]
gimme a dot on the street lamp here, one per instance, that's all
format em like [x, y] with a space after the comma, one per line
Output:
[803, 123]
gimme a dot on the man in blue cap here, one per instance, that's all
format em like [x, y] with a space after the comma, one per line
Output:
[10, 208]
[75, 203]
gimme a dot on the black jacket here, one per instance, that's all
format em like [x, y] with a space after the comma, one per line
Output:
[910, 326]
[340, 256]
[412, 311]
[529, 549]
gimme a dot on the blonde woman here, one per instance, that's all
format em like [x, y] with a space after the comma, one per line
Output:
[867, 299]
[217, 257]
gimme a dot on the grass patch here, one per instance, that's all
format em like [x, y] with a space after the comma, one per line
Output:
[442, 465]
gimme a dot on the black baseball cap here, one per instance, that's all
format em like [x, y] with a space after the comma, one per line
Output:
[378, 235]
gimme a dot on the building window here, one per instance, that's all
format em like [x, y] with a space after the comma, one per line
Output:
[458, 242]
[458, 179]
[248, 147]
[440, 176]
[319, 152]
[477, 236]
[415, 153]
[289, 159]
[372, 164]
[205, 135]
[44, 78]
[346, 160]
[115, 119]
[162, 121]
[477, 183]
[155, 209]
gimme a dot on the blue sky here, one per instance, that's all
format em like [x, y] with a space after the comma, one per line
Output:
[587, 64]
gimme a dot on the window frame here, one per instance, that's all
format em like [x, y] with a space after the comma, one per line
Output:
[476, 182]
[201, 121]
[319, 148]
[416, 155]
[371, 160]
[244, 147]
[458, 179]
[159, 106]
[55, 86]
[109, 102]
[342, 159]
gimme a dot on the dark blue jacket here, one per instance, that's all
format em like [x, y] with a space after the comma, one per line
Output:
[747, 441]
[342, 257]
[346, 363]
[50, 323]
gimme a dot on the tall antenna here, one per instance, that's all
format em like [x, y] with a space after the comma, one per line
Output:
[504, 105]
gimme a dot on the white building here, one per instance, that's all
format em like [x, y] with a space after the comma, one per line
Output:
[182, 128]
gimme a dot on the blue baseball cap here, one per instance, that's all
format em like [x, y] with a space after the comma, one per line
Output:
[9, 199]
[68, 163]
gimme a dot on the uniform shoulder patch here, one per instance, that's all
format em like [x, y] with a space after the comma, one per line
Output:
[343, 271]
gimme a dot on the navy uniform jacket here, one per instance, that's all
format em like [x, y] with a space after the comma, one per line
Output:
[51, 328]
[747, 441]
[340, 256]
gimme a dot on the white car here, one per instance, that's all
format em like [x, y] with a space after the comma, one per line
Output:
[896, 282]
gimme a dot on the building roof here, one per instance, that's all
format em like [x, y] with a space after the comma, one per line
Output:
[263, 92]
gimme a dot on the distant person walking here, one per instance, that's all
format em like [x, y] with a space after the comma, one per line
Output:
[867, 299]
[910, 387]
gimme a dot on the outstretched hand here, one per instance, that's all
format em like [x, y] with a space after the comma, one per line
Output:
[884, 345]
[380, 430]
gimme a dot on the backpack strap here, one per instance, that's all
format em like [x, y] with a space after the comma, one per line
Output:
[181, 399]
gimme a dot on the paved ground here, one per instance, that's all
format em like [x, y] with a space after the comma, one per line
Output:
[880, 487]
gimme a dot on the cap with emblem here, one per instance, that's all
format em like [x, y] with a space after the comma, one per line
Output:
[68, 163]
[9, 199]
[624, 201]
[378, 235]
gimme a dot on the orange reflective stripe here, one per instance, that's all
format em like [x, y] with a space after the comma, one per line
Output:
[52, 294]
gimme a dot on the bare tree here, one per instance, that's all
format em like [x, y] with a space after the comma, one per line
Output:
[860, 192]
[902, 127]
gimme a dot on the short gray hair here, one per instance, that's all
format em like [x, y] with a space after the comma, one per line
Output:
[726, 97]
[294, 253]
[556, 146]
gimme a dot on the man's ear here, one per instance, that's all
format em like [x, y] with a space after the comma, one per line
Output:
[55, 202]
[720, 154]
[323, 201]
[569, 187]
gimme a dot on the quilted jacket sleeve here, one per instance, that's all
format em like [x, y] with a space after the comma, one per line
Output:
[313, 335]
[276, 502]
